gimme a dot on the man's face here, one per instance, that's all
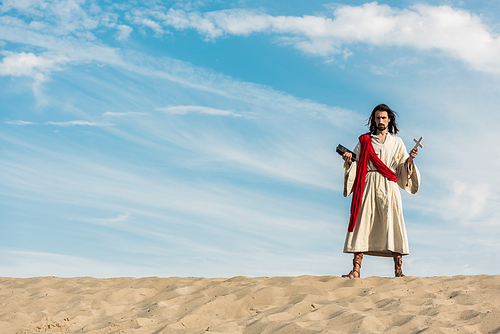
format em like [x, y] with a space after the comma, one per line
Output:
[381, 120]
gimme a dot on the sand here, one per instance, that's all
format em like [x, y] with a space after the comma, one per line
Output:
[305, 304]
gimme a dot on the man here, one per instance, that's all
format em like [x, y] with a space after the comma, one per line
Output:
[376, 225]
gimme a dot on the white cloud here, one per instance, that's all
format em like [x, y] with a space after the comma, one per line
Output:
[77, 122]
[146, 22]
[57, 49]
[28, 64]
[455, 32]
[391, 68]
[26, 6]
[183, 110]
[179, 19]
[120, 114]
[66, 17]
[471, 204]
[60, 32]
[123, 32]
[19, 122]
[239, 22]
[111, 221]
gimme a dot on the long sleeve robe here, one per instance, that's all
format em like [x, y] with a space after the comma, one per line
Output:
[380, 227]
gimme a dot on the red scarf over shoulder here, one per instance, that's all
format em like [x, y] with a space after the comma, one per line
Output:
[366, 153]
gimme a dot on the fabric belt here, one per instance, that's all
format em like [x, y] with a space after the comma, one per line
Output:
[373, 170]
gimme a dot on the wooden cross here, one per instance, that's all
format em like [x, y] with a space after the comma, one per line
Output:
[417, 143]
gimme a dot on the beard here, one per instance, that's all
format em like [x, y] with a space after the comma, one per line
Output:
[381, 127]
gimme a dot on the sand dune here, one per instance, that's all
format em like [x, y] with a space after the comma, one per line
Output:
[305, 304]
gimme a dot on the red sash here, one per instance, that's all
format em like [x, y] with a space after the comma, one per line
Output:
[366, 152]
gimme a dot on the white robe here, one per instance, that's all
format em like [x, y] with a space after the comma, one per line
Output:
[380, 227]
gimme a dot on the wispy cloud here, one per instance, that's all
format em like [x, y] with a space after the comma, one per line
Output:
[61, 18]
[122, 114]
[19, 122]
[52, 47]
[78, 122]
[391, 69]
[144, 22]
[111, 221]
[167, 207]
[216, 24]
[469, 203]
[123, 32]
[183, 110]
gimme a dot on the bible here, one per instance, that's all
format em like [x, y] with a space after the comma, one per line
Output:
[341, 150]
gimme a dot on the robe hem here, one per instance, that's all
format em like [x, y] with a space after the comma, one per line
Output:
[386, 253]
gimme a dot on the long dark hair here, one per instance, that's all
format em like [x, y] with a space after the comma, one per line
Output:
[393, 127]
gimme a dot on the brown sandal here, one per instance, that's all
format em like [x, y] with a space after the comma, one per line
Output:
[398, 263]
[356, 267]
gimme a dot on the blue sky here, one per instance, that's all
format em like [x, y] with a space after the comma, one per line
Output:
[197, 138]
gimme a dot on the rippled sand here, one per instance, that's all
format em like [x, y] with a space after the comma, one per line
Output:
[305, 304]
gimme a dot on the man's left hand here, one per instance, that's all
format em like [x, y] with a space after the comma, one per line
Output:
[413, 155]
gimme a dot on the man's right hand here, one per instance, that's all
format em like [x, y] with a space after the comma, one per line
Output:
[347, 157]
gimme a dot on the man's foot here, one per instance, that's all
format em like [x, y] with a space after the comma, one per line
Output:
[398, 263]
[356, 266]
[352, 274]
[399, 274]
